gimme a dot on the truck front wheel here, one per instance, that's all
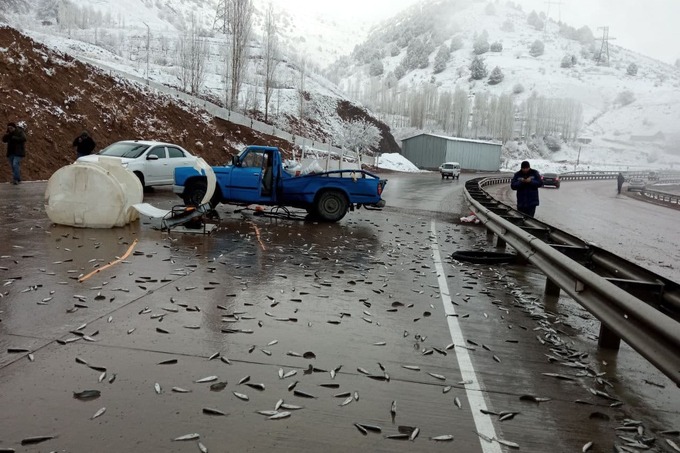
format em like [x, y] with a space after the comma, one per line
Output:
[194, 193]
[331, 206]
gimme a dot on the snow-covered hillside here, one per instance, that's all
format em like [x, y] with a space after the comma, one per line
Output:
[632, 114]
[406, 66]
[145, 38]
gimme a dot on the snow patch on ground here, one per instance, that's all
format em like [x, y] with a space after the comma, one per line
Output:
[397, 162]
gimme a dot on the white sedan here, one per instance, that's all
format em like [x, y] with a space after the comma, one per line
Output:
[154, 163]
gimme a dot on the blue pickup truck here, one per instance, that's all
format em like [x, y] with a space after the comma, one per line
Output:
[256, 175]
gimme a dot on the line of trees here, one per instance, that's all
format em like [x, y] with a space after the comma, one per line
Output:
[471, 115]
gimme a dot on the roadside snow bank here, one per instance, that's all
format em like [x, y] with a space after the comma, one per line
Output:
[397, 162]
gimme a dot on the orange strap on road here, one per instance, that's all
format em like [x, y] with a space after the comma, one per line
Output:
[259, 239]
[96, 271]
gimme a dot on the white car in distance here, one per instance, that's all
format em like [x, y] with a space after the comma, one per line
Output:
[450, 170]
[153, 162]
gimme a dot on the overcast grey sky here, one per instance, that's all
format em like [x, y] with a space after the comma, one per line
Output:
[646, 26]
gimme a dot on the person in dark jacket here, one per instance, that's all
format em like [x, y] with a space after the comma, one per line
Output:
[526, 182]
[15, 137]
[619, 182]
[84, 144]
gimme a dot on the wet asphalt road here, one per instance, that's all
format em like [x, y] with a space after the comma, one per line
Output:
[372, 294]
[641, 232]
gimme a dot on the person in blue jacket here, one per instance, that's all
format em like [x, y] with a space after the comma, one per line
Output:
[526, 182]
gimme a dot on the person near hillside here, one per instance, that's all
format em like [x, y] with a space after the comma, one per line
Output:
[84, 144]
[526, 182]
[15, 137]
[619, 182]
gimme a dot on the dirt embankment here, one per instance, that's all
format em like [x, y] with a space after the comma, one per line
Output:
[58, 97]
[351, 112]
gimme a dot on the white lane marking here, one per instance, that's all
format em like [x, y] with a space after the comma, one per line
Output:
[473, 391]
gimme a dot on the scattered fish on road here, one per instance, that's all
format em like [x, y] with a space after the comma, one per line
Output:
[36, 440]
[206, 379]
[443, 438]
[241, 396]
[87, 395]
[99, 413]
[192, 436]
[437, 376]
[507, 443]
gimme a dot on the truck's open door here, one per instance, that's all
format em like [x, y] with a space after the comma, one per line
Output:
[254, 176]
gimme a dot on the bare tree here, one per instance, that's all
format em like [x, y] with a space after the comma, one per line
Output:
[301, 85]
[67, 15]
[193, 52]
[479, 114]
[506, 117]
[270, 56]
[461, 112]
[239, 18]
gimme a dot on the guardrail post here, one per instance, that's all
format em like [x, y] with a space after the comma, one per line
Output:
[489, 235]
[608, 339]
[551, 288]
[500, 243]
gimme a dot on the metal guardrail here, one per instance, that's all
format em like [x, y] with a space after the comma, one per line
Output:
[666, 198]
[630, 302]
[661, 176]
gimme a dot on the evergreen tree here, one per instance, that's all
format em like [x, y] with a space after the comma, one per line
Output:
[417, 55]
[584, 35]
[496, 47]
[632, 69]
[508, 26]
[481, 45]
[441, 59]
[567, 61]
[537, 48]
[394, 50]
[496, 76]
[624, 98]
[478, 68]
[399, 72]
[456, 43]
[533, 19]
[376, 68]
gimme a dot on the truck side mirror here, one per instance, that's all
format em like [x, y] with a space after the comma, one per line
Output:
[234, 161]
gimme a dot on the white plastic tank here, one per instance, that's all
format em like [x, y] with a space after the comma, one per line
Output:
[93, 195]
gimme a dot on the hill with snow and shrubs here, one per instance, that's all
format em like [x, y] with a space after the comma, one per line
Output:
[182, 44]
[467, 68]
[493, 71]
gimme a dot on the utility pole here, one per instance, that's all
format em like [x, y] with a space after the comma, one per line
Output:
[603, 57]
[148, 42]
[547, 13]
[221, 22]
